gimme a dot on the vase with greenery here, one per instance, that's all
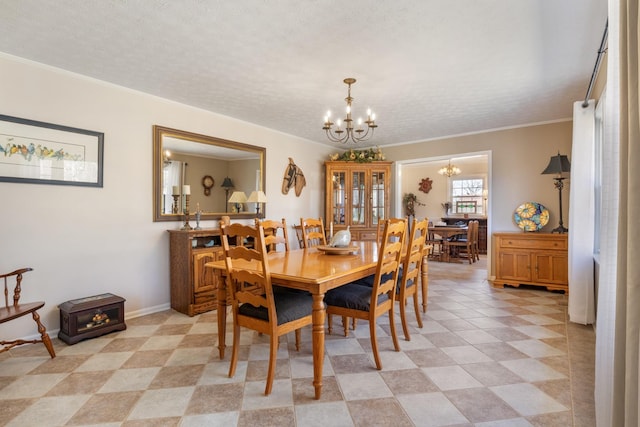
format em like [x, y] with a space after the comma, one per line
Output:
[409, 201]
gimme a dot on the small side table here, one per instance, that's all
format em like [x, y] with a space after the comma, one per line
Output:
[91, 317]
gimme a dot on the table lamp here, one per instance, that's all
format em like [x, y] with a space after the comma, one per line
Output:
[257, 197]
[227, 184]
[238, 197]
[558, 165]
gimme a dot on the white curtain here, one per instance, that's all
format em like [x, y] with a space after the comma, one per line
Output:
[618, 321]
[581, 215]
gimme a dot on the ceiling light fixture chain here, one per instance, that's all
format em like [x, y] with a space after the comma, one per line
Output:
[351, 133]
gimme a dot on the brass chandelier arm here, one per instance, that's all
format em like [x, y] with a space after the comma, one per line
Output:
[331, 134]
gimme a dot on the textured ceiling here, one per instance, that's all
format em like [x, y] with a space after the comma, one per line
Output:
[428, 68]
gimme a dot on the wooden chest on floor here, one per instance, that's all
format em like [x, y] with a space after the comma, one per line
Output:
[91, 317]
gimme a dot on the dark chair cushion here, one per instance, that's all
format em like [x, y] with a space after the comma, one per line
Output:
[353, 296]
[280, 289]
[289, 306]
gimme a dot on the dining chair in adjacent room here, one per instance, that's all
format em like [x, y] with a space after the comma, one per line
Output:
[474, 241]
[275, 234]
[313, 233]
[253, 303]
[410, 272]
[436, 243]
[462, 244]
[370, 302]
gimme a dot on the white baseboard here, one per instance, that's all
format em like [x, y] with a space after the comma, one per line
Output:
[147, 310]
[53, 333]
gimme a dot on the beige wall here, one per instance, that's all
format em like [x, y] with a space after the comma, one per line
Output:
[517, 158]
[86, 241]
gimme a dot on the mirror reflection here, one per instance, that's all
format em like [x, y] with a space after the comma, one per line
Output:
[195, 172]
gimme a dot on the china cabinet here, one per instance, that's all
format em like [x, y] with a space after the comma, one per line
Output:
[538, 259]
[357, 196]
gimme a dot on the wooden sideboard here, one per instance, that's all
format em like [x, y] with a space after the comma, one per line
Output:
[193, 287]
[482, 229]
[539, 259]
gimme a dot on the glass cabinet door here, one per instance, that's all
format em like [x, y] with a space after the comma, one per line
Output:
[338, 197]
[377, 197]
[358, 198]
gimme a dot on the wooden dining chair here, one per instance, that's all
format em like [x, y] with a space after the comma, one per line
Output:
[461, 242]
[313, 233]
[253, 303]
[275, 234]
[370, 302]
[16, 309]
[474, 240]
[410, 272]
[437, 244]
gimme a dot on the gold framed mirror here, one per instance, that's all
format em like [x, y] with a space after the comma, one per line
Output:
[204, 172]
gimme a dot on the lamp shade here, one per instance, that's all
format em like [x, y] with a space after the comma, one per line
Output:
[238, 197]
[257, 197]
[557, 165]
[227, 183]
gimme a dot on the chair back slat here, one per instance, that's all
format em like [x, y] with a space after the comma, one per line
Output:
[389, 257]
[313, 233]
[415, 251]
[252, 284]
[275, 233]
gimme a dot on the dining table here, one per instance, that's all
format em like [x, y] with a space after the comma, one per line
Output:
[445, 232]
[313, 270]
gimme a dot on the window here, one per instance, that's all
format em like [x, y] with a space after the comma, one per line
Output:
[466, 196]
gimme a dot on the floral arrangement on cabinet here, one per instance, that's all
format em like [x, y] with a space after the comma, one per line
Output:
[359, 156]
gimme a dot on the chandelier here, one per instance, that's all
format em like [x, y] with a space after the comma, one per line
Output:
[449, 170]
[349, 133]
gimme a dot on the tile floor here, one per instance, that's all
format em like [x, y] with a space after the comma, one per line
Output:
[485, 357]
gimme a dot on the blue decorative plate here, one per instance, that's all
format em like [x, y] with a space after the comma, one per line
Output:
[531, 216]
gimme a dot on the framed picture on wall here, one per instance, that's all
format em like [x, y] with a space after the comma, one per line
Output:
[45, 153]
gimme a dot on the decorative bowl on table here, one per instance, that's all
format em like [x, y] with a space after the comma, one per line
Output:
[338, 250]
